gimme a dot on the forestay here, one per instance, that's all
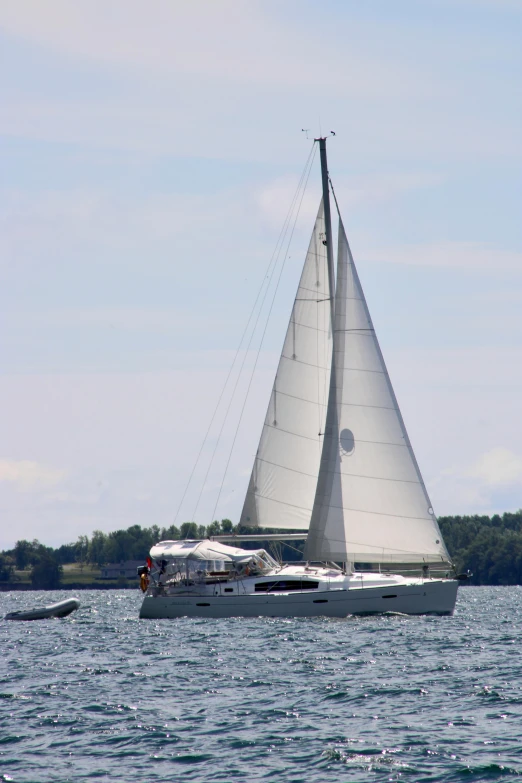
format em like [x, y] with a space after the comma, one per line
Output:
[371, 503]
[284, 477]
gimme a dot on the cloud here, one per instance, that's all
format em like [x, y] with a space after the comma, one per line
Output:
[497, 468]
[515, 5]
[274, 198]
[490, 484]
[129, 442]
[47, 215]
[93, 232]
[27, 476]
[461, 405]
[252, 44]
[382, 186]
[121, 318]
[131, 436]
[466, 254]
[232, 80]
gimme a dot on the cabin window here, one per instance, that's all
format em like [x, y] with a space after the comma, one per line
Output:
[285, 585]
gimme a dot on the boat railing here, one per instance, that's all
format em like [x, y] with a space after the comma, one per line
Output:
[428, 571]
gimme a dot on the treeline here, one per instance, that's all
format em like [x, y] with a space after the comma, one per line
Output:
[46, 570]
[46, 564]
[488, 547]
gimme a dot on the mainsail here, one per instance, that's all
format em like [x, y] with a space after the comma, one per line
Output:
[371, 504]
[284, 477]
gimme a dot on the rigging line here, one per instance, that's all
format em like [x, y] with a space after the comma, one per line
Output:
[327, 352]
[335, 198]
[264, 333]
[317, 359]
[292, 547]
[273, 261]
[239, 375]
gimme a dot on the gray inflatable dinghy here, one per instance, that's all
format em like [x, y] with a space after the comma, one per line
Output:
[61, 609]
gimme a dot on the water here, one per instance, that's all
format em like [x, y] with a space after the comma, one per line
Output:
[102, 695]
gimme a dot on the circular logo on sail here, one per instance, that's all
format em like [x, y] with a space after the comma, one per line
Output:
[347, 442]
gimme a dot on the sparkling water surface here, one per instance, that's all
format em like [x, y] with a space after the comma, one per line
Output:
[103, 695]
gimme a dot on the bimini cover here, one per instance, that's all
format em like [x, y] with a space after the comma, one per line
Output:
[203, 550]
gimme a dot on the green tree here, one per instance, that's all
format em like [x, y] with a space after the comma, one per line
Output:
[97, 548]
[227, 527]
[214, 529]
[83, 551]
[67, 553]
[6, 567]
[169, 534]
[46, 573]
[489, 547]
[23, 552]
[189, 530]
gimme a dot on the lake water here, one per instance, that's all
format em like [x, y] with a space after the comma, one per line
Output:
[102, 695]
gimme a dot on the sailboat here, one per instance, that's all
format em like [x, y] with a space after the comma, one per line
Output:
[334, 460]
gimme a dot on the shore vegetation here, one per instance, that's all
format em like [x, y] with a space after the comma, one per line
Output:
[489, 548]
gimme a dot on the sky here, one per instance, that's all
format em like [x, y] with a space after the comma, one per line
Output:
[148, 156]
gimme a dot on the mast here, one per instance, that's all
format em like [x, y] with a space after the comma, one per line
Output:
[326, 476]
[327, 223]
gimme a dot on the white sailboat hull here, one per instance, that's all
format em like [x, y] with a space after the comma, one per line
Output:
[416, 597]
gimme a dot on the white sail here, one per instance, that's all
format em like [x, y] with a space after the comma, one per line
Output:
[284, 477]
[371, 504]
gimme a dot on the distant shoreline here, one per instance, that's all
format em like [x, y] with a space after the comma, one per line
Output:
[14, 587]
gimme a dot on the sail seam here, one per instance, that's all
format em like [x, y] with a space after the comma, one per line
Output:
[338, 472]
[359, 440]
[352, 333]
[282, 502]
[288, 432]
[380, 513]
[355, 329]
[321, 256]
[307, 299]
[302, 399]
[315, 328]
[358, 369]
[380, 549]
[283, 467]
[383, 443]
[308, 364]
[364, 405]
[313, 291]
[372, 478]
